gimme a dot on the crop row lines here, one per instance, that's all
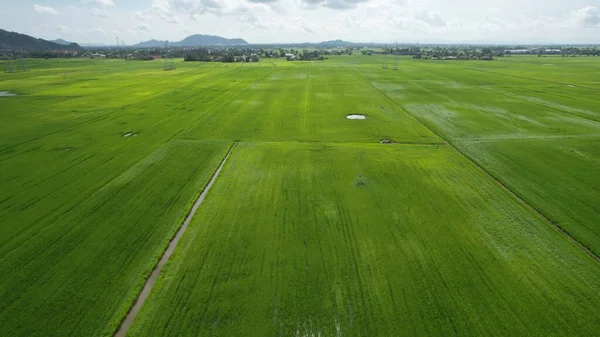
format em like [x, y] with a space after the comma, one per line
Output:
[496, 180]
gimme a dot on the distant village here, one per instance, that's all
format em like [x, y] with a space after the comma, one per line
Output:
[255, 53]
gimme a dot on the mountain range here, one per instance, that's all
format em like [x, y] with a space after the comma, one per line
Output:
[16, 41]
[335, 43]
[61, 41]
[197, 40]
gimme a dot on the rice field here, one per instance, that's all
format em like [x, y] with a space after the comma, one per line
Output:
[479, 216]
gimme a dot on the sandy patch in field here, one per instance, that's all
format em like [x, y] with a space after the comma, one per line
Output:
[7, 94]
[356, 117]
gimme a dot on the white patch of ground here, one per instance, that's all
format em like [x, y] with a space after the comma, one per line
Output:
[388, 86]
[558, 106]
[130, 134]
[445, 84]
[356, 117]
[7, 94]
[571, 119]
[300, 76]
[435, 110]
[503, 113]
[391, 89]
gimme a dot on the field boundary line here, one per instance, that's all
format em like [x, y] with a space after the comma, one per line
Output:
[156, 271]
[515, 196]
[483, 140]
[530, 78]
[69, 210]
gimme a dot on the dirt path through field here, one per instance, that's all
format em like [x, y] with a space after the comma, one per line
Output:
[126, 324]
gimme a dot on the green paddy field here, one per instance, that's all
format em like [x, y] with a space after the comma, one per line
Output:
[481, 218]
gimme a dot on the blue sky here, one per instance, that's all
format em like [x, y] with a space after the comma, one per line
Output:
[267, 21]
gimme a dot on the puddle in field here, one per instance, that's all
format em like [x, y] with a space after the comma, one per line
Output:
[130, 134]
[387, 141]
[356, 117]
[7, 94]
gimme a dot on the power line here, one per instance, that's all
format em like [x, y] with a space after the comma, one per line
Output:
[385, 64]
[396, 57]
[169, 62]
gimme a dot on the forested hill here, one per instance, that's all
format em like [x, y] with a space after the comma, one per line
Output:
[16, 41]
[197, 40]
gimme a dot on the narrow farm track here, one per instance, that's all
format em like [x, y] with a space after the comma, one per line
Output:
[143, 296]
[41, 230]
[496, 180]
[238, 199]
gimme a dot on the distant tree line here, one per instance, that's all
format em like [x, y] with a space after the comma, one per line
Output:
[235, 54]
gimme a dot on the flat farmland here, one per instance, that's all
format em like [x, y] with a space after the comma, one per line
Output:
[558, 177]
[80, 273]
[345, 240]
[480, 219]
[310, 104]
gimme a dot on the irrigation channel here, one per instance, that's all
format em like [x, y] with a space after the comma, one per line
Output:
[143, 296]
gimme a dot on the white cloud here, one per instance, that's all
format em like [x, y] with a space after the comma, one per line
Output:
[101, 2]
[100, 13]
[143, 27]
[99, 30]
[587, 17]
[257, 21]
[333, 4]
[44, 9]
[434, 19]
[61, 29]
[160, 9]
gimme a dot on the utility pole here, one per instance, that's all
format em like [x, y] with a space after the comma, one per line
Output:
[385, 65]
[396, 57]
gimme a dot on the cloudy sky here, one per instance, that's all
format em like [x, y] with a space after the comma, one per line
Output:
[267, 21]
